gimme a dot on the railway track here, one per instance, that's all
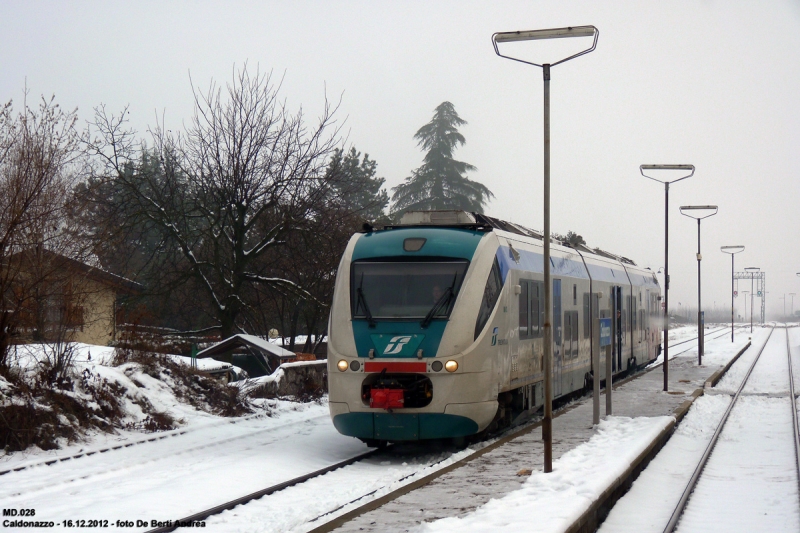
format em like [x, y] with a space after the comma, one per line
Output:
[710, 335]
[440, 467]
[122, 458]
[202, 515]
[368, 500]
[701, 500]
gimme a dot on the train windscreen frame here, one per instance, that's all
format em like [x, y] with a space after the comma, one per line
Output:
[405, 290]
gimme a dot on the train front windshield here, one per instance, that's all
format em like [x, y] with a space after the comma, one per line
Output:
[405, 290]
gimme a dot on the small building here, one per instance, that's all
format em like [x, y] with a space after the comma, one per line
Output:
[66, 300]
[258, 357]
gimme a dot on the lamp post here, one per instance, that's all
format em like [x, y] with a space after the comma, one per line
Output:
[745, 303]
[537, 35]
[690, 169]
[699, 212]
[752, 271]
[732, 250]
[792, 295]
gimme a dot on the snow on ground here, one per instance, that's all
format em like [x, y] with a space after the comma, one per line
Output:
[755, 447]
[296, 508]
[462, 491]
[750, 481]
[139, 388]
[211, 460]
[175, 477]
[551, 502]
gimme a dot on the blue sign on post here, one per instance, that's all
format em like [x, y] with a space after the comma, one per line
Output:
[605, 332]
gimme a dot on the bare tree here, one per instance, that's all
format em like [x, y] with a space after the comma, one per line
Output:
[226, 193]
[38, 152]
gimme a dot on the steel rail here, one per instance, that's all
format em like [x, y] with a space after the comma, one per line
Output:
[793, 402]
[678, 511]
[706, 334]
[502, 438]
[672, 356]
[202, 515]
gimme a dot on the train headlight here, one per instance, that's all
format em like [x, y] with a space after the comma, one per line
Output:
[342, 365]
[451, 366]
[354, 365]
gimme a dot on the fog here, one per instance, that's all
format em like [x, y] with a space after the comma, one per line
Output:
[713, 84]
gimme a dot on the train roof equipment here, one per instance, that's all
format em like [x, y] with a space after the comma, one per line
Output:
[480, 222]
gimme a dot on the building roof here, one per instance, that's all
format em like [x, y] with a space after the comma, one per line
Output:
[252, 341]
[91, 272]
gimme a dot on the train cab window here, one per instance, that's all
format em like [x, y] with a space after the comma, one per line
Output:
[531, 309]
[391, 290]
[491, 293]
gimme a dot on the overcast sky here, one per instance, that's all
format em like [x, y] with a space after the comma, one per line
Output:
[715, 84]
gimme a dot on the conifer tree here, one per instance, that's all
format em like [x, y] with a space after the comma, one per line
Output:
[354, 182]
[441, 182]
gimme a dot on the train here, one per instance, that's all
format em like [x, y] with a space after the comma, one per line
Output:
[436, 325]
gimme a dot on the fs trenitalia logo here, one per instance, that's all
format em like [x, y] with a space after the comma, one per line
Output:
[494, 337]
[396, 344]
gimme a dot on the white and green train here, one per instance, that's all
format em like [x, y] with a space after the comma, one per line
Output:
[436, 326]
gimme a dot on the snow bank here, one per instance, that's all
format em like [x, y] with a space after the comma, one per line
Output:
[552, 502]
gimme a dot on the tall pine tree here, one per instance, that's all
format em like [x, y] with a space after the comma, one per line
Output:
[441, 182]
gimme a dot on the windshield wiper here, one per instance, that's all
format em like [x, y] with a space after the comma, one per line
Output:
[362, 300]
[442, 302]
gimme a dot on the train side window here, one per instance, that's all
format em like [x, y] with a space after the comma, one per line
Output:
[575, 295]
[490, 295]
[591, 310]
[537, 309]
[524, 314]
[571, 334]
[575, 334]
[587, 319]
[641, 324]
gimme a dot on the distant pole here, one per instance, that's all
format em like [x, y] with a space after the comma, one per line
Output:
[689, 168]
[732, 250]
[752, 271]
[745, 304]
[689, 211]
[534, 35]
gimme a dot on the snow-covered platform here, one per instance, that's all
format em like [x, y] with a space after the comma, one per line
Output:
[592, 465]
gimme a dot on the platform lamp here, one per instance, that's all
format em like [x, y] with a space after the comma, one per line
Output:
[685, 168]
[752, 271]
[699, 212]
[732, 250]
[539, 35]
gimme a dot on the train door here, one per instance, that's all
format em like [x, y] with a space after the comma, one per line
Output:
[557, 338]
[617, 327]
[646, 325]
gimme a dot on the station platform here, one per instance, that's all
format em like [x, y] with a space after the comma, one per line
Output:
[505, 468]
